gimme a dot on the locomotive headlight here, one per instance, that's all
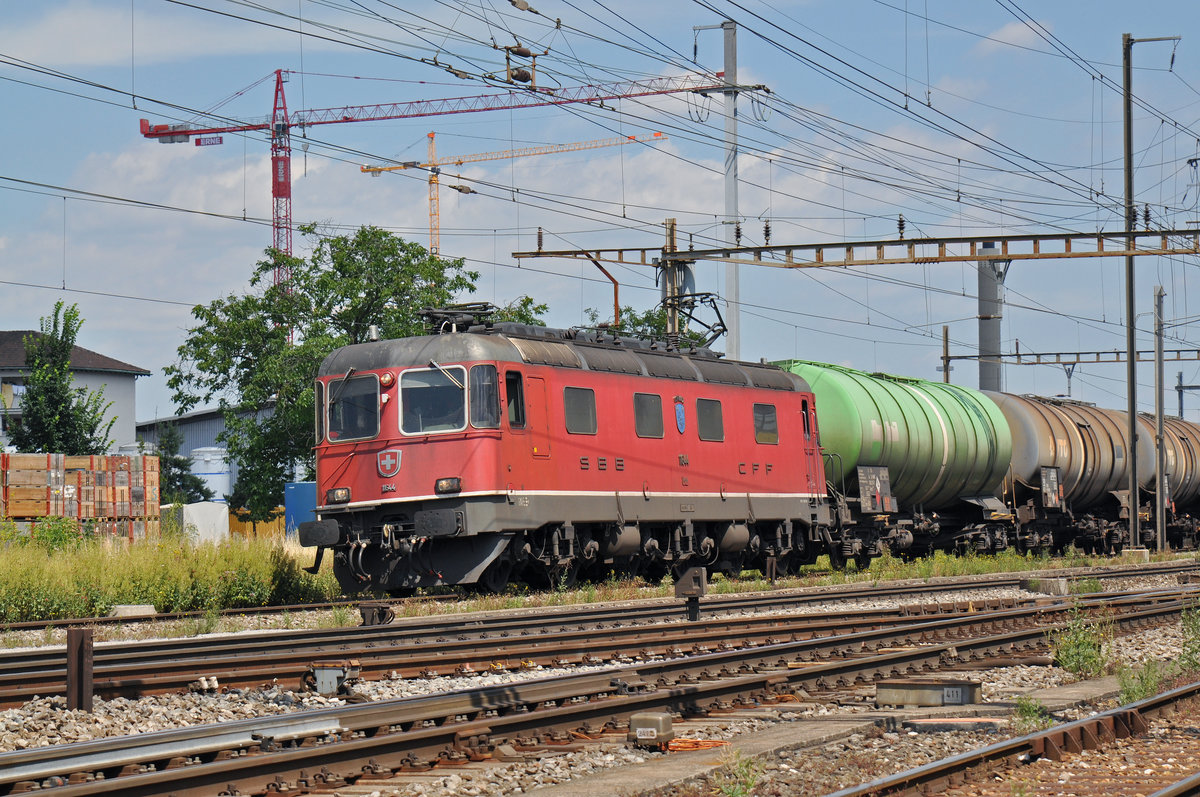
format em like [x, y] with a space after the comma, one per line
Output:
[451, 484]
[386, 379]
[338, 495]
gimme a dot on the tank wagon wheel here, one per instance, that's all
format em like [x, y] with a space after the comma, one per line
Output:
[837, 559]
[862, 561]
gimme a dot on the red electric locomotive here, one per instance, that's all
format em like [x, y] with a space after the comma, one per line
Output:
[518, 452]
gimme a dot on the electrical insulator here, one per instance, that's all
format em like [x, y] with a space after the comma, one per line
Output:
[737, 233]
[1146, 216]
[520, 75]
[767, 231]
[539, 239]
[900, 225]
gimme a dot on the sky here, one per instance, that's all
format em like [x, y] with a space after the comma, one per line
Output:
[989, 117]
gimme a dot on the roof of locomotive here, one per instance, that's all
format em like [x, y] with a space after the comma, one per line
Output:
[584, 350]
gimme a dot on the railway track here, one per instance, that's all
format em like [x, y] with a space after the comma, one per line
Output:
[1008, 767]
[384, 742]
[448, 645]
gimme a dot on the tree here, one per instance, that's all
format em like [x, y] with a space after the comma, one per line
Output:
[523, 310]
[257, 354]
[645, 324]
[56, 417]
[177, 483]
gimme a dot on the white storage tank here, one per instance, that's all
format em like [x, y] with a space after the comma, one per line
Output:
[212, 465]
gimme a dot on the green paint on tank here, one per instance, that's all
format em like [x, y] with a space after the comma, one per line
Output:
[939, 442]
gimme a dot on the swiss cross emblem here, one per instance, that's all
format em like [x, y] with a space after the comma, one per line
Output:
[388, 463]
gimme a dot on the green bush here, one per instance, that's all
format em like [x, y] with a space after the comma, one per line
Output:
[1079, 646]
[1030, 715]
[1140, 684]
[79, 577]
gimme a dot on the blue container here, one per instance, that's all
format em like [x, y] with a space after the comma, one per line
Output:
[299, 505]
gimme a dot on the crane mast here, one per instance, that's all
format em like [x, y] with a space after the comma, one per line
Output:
[434, 164]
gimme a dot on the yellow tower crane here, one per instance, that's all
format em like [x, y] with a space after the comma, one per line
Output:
[434, 164]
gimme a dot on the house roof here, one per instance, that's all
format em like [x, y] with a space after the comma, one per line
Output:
[12, 356]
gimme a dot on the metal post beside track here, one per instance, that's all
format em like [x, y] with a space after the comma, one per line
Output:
[79, 669]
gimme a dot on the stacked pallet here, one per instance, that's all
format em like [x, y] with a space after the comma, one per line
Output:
[114, 495]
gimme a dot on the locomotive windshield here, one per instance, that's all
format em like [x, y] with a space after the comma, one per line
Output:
[433, 400]
[353, 408]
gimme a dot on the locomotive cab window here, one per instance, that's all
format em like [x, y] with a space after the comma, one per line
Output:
[766, 424]
[807, 419]
[485, 397]
[514, 396]
[710, 424]
[353, 412]
[647, 415]
[319, 406]
[579, 408]
[433, 400]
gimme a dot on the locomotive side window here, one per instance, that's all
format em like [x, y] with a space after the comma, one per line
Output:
[710, 424]
[766, 425]
[647, 415]
[807, 419]
[579, 407]
[319, 406]
[433, 400]
[485, 397]
[514, 394]
[353, 408]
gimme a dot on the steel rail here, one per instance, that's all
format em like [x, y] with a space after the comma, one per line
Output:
[1088, 733]
[416, 732]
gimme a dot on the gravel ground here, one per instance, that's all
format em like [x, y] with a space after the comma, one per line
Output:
[45, 721]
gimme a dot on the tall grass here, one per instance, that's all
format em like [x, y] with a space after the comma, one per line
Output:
[87, 577]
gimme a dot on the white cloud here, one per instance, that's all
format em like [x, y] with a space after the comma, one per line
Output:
[1018, 34]
[89, 33]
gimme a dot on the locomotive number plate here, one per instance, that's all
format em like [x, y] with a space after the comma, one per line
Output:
[687, 507]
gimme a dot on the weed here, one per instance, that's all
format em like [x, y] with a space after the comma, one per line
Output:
[737, 776]
[1022, 789]
[285, 618]
[48, 635]
[1030, 715]
[1139, 684]
[1079, 646]
[342, 616]
[1189, 657]
[1084, 586]
[205, 623]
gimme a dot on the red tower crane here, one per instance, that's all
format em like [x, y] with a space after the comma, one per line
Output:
[281, 122]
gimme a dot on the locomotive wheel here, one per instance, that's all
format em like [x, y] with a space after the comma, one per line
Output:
[495, 578]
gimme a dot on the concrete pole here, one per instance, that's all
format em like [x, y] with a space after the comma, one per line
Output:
[1160, 461]
[733, 292]
[991, 313]
[1130, 336]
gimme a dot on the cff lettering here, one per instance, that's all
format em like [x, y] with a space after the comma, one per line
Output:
[754, 468]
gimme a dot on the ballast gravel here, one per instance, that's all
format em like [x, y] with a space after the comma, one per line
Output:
[857, 759]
